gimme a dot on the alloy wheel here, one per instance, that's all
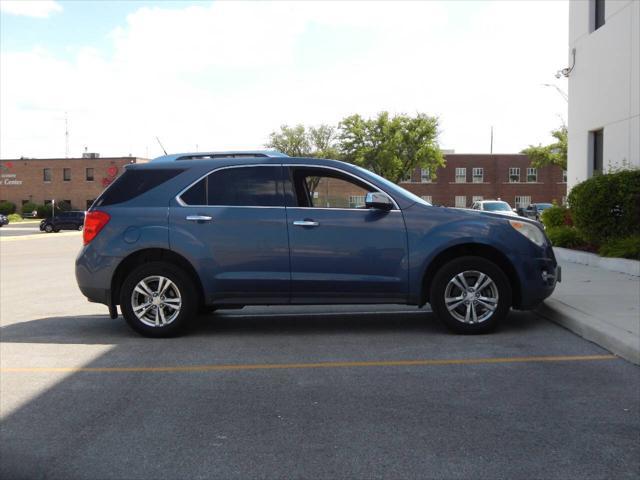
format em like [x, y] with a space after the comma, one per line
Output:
[471, 297]
[156, 301]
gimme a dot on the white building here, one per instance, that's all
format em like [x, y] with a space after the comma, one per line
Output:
[604, 86]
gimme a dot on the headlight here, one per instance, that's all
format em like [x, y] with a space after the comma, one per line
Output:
[532, 232]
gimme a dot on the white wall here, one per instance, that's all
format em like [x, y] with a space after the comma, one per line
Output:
[604, 86]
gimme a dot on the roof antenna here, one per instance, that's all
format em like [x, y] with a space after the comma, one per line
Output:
[160, 143]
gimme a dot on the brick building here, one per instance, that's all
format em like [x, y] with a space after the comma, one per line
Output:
[77, 181]
[470, 177]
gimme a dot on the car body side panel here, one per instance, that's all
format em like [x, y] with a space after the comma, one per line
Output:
[129, 230]
[432, 230]
[241, 255]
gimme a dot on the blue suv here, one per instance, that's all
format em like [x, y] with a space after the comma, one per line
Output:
[192, 232]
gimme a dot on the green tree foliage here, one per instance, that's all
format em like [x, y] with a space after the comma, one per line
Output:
[552, 154]
[391, 146]
[300, 141]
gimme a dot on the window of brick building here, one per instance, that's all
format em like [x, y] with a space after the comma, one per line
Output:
[66, 174]
[89, 174]
[425, 175]
[89, 203]
[564, 176]
[427, 198]
[532, 175]
[461, 201]
[461, 175]
[46, 174]
[477, 198]
[478, 175]
[514, 175]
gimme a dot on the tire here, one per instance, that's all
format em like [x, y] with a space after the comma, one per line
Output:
[48, 228]
[490, 305]
[56, 229]
[181, 292]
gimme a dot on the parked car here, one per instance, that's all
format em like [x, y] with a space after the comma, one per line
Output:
[191, 231]
[3, 220]
[72, 220]
[495, 206]
[534, 210]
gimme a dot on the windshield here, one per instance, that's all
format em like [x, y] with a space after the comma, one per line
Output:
[496, 207]
[543, 206]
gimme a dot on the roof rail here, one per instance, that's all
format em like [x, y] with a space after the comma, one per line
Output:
[213, 155]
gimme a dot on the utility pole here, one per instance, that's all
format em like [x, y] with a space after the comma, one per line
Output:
[491, 147]
[66, 135]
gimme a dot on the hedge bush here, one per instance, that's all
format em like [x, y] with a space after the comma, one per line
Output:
[555, 216]
[14, 217]
[28, 207]
[628, 247]
[565, 236]
[7, 208]
[607, 206]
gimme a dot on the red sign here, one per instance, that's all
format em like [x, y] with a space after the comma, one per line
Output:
[112, 171]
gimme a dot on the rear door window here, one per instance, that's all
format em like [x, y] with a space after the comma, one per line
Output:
[259, 186]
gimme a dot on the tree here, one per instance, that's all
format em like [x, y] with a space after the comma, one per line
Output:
[300, 141]
[292, 141]
[391, 146]
[552, 154]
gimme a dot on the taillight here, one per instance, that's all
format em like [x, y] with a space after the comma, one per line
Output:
[94, 221]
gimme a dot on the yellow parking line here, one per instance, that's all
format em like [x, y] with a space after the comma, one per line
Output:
[279, 366]
[38, 235]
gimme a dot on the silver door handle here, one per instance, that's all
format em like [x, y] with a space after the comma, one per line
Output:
[306, 223]
[199, 218]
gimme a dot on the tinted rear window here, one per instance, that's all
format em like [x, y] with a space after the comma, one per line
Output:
[133, 183]
[258, 186]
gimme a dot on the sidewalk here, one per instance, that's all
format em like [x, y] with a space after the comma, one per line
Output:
[600, 305]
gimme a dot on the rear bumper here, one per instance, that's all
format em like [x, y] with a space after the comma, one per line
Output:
[94, 274]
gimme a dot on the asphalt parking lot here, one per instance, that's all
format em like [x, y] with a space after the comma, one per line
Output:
[20, 229]
[296, 392]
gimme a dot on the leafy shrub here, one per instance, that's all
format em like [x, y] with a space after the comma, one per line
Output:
[607, 206]
[628, 247]
[7, 208]
[44, 211]
[14, 217]
[29, 207]
[555, 216]
[565, 236]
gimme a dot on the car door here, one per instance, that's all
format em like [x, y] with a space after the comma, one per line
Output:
[231, 225]
[342, 252]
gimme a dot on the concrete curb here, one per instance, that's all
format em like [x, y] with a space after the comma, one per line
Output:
[618, 341]
[622, 265]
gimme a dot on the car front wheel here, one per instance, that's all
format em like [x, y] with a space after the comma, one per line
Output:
[471, 295]
[48, 228]
[158, 299]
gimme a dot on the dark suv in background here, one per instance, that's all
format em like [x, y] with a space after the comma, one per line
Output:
[198, 231]
[72, 220]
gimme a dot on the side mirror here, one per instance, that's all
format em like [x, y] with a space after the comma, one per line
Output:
[378, 200]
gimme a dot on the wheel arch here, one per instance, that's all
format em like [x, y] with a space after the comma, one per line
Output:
[472, 249]
[140, 257]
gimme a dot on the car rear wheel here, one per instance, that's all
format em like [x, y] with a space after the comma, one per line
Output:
[158, 299]
[471, 295]
[80, 227]
[48, 228]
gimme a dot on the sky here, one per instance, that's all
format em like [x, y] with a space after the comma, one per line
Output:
[222, 75]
